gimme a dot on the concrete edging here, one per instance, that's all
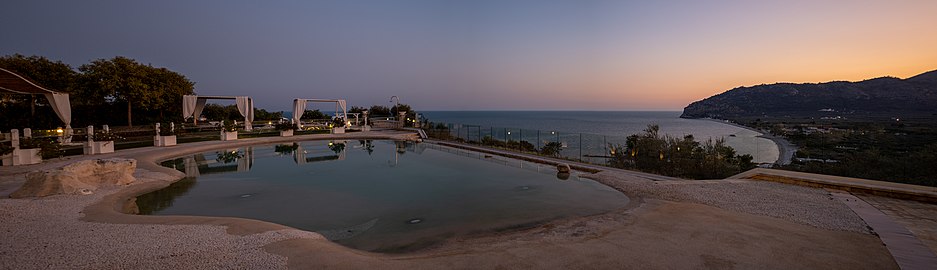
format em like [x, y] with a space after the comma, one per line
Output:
[854, 185]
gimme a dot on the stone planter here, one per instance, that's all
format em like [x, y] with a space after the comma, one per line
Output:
[102, 147]
[163, 141]
[338, 130]
[229, 135]
[22, 157]
[286, 133]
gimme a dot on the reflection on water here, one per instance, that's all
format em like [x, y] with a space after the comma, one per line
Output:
[286, 149]
[377, 195]
[367, 145]
[155, 201]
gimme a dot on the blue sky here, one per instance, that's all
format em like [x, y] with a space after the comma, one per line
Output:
[484, 55]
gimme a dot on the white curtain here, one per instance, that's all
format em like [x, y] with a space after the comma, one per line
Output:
[192, 106]
[299, 107]
[62, 107]
[188, 106]
[199, 106]
[341, 105]
[246, 108]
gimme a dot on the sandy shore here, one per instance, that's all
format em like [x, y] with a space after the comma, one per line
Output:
[669, 224]
[786, 149]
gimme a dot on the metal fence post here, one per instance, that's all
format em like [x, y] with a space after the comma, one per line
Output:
[538, 139]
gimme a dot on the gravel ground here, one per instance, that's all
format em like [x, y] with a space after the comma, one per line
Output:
[46, 233]
[805, 205]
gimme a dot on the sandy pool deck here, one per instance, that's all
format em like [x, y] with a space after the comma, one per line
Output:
[670, 224]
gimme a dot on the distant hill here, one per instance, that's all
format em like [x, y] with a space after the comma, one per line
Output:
[885, 96]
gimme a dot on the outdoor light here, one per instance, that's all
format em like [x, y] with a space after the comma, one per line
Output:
[59, 130]
[509, 133]
[552, 132]
[269, 123]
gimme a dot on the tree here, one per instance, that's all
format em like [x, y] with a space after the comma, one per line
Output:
[400, 107]
[356, 109]
[378, 110]
[52, 75]
[218, 112]
[124, 80]
[314, 114]
[169, 87]
[262, 114]
[681, 157]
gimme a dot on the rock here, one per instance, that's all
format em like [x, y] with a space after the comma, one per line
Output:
[562, 176]
[563, 168]
[131, 207]
[82, 177]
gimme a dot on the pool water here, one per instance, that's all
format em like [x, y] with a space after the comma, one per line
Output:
[381, 196]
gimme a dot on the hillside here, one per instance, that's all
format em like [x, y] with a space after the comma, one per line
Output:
[885, 96]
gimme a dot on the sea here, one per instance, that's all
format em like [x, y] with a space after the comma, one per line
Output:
[615, 124]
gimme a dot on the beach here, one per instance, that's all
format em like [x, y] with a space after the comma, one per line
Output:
[786, 149]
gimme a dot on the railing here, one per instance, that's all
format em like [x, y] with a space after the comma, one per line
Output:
[142, 136]
[584, 147]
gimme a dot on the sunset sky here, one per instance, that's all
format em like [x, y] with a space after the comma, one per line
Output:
[487, 55]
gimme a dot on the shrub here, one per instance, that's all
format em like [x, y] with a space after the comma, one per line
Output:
[338, 122]
[168, 130]
[102, 135]
[48, 148]
[229, 126]
[687, 158]
[284, 126]
[5, 149]
[551, 149]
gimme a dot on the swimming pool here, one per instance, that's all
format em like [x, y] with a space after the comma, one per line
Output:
[381, 196]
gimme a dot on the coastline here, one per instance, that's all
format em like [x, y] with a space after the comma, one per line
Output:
[786, 149]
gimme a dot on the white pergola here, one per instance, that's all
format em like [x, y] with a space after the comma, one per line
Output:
[192, 106]
[299, 107]
[14, 83]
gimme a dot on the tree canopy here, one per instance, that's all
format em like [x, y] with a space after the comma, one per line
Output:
[98, 92]
[52, 75]
[123, 80]
[680, 157]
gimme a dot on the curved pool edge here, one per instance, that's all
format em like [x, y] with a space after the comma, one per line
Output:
[110, 208]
